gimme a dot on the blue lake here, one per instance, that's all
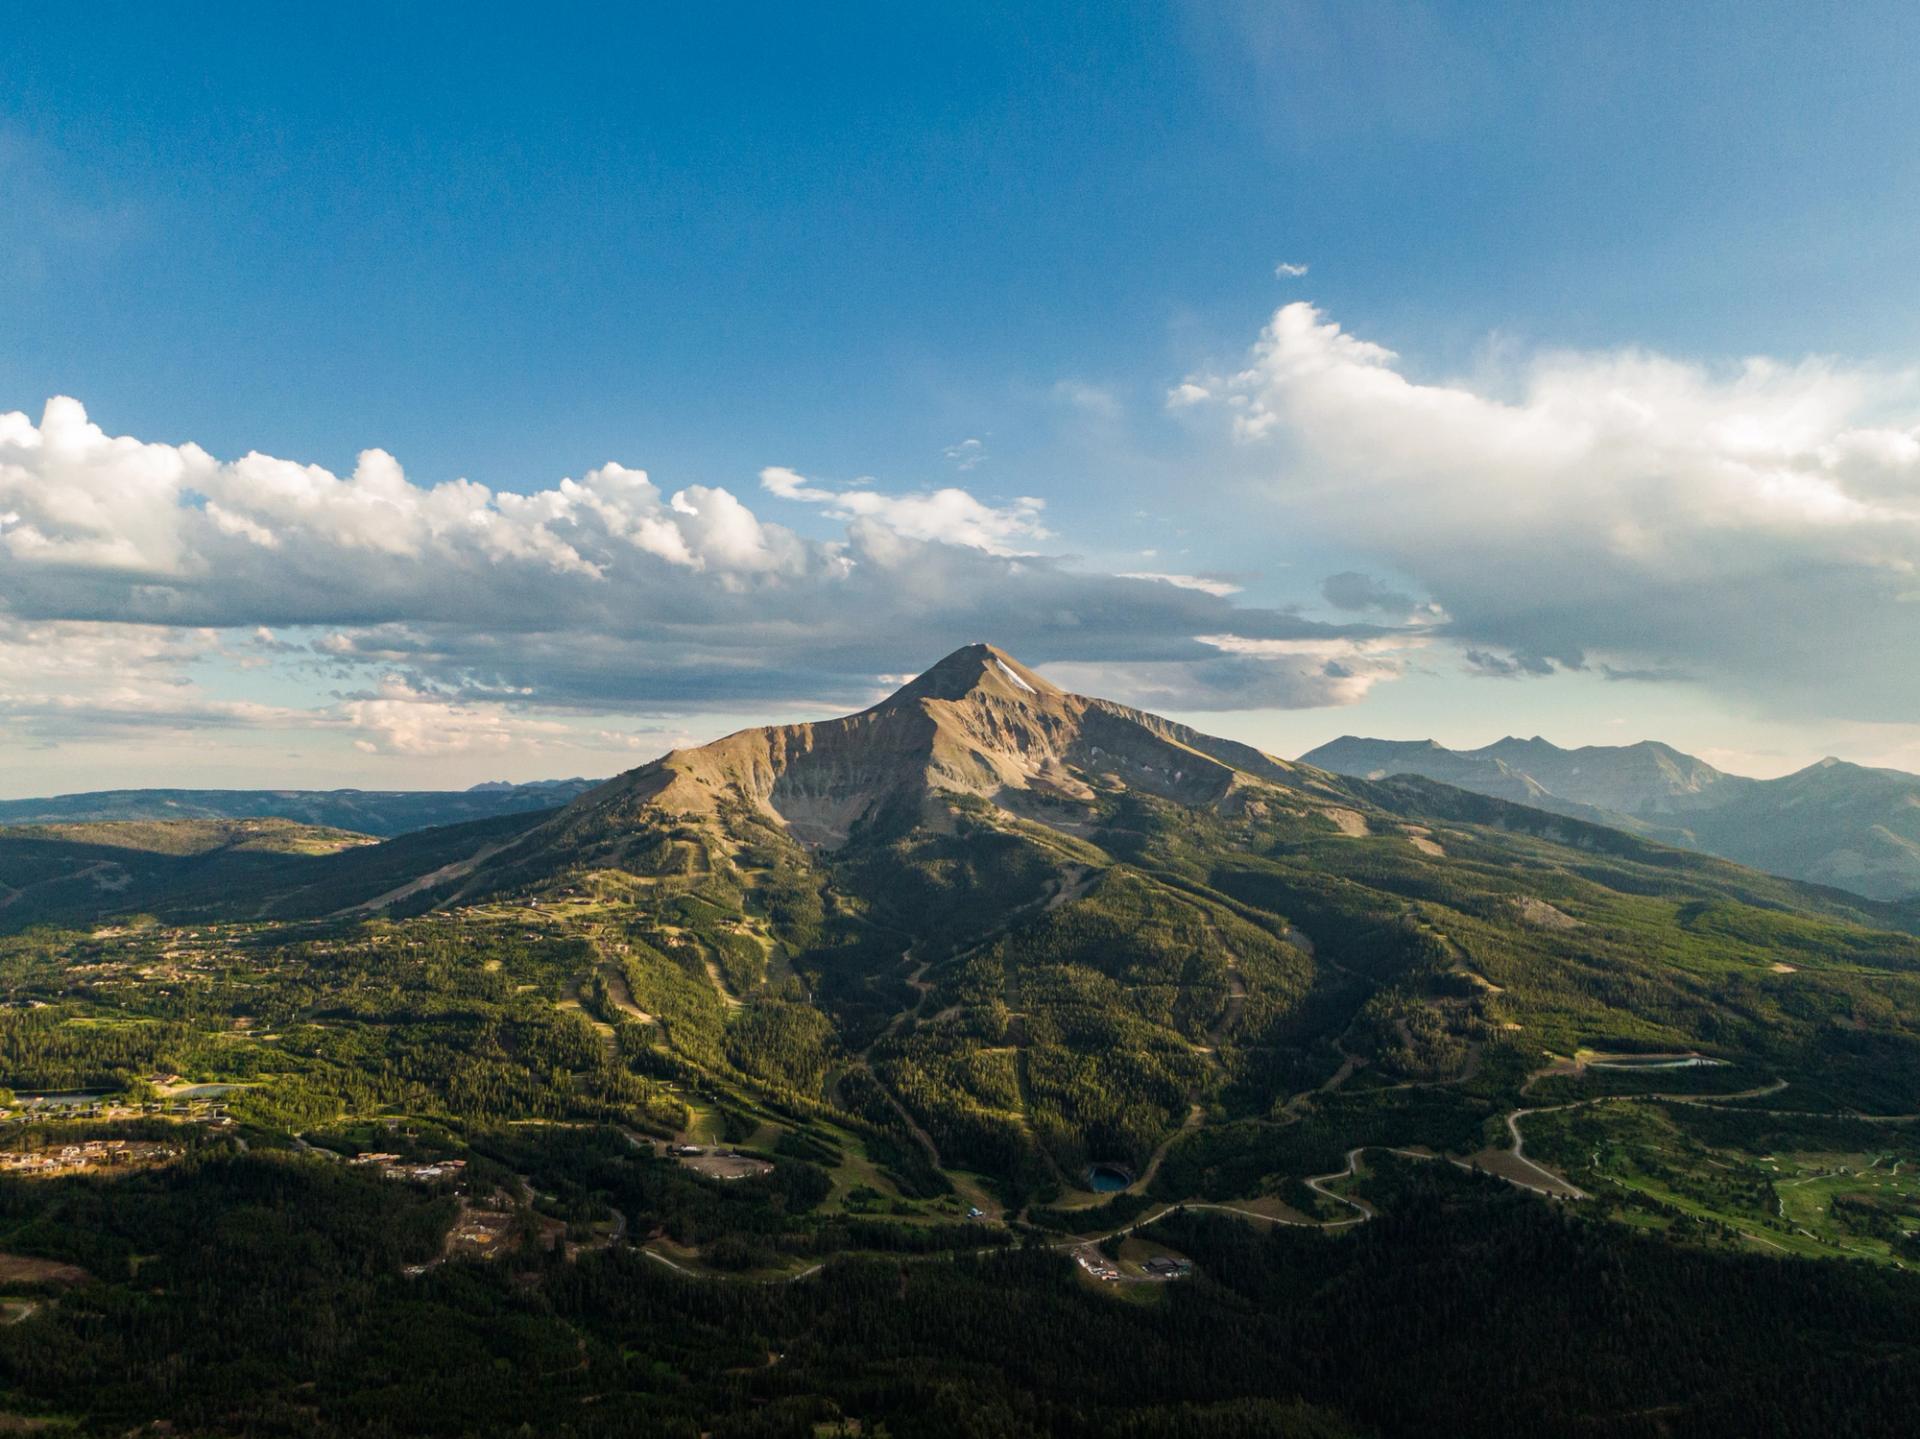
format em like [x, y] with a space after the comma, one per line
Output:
[1108, 1179]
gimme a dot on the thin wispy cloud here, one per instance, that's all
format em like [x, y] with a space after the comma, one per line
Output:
[1206, 584]
[968, 454]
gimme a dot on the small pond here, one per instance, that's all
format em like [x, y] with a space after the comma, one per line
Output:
[1108, 1178]
[1654, 1061]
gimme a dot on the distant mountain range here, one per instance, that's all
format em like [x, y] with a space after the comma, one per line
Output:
[1833, 823]
[382, 813]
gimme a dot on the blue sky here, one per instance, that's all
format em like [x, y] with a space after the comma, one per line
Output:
[511, 247]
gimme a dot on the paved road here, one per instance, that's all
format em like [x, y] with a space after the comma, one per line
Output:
[1560, 1185]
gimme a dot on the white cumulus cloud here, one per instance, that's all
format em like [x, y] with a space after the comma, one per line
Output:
[156, 589]
[950, 515]
[1755, 524]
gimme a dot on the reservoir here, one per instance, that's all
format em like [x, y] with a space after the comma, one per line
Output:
[1108, 1179]
[1653, 1061]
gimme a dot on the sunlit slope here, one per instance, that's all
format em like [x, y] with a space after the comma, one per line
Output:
[1027, 932]
[1039, 932]
[61, 872]
[385, 813]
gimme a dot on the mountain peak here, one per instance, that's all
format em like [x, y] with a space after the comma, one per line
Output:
[1514, 744]
[979, 723]
[976, 667]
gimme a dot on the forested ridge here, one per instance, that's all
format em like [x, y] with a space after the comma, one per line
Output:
[268, 1301]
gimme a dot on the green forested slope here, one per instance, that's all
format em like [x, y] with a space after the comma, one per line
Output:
[762, 1131]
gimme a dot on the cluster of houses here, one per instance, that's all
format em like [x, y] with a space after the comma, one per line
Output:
[1161, 1267]
[29, 1109]
[392, 1166]
[89, 1154]
[1096, 1264]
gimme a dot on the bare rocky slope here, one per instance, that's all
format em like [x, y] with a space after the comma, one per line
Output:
[978, 723]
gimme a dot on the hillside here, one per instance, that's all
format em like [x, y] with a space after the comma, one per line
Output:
[1055, 929]
[969, 1019]
[70, 872]
[383, 813]
[1832, 823]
